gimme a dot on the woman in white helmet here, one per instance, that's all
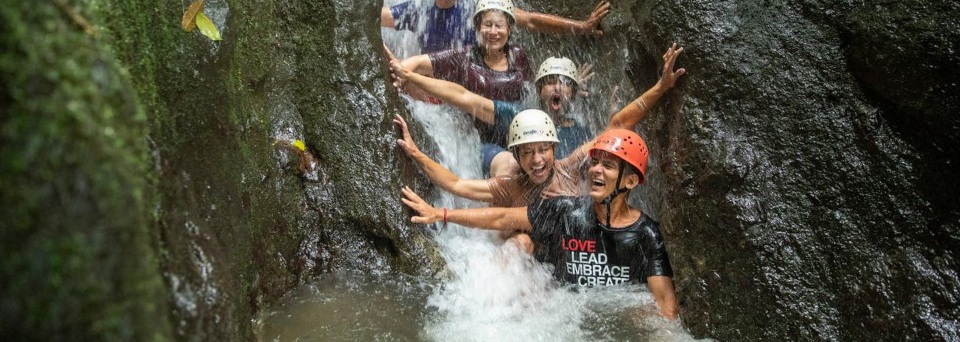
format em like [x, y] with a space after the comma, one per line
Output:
[493, 67]
[557, 86]
[447, 24]
[533, 140]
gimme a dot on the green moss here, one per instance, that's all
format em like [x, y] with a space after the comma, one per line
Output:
[76, 251]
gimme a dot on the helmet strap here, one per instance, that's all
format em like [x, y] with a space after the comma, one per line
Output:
[618, 190]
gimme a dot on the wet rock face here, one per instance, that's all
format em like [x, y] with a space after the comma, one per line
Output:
[171, 191]
[906, 54]
[798, 164]
[803, 171]
[241, 219]
[76, 258]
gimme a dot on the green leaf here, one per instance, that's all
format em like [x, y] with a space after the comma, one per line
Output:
[207, 27]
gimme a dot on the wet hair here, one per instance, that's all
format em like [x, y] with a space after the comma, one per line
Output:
[629, 169]
[476, 26]
[479, 16]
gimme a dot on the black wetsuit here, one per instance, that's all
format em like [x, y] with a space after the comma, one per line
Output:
[566, 233]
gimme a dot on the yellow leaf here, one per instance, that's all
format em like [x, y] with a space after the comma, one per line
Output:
[207, 27]
[190, 15]
[299, 144]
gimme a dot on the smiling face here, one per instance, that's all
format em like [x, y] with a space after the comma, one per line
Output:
[602, 175]
[556, 94]
[493, 29]
[536, 160]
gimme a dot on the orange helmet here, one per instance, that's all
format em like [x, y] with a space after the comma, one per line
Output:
[625, 144]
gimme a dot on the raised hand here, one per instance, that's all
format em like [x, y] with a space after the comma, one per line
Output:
[670, 76]
[584, 74]
[397, 72]
[596, 17]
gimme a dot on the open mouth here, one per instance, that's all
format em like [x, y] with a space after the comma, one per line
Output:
[538, 171]
[597, 184]
[555, 102]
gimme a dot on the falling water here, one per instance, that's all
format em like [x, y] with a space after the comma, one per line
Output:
[491, 292]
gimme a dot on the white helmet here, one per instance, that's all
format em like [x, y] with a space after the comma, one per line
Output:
[557, 66]
[504, 5]
[532, 125]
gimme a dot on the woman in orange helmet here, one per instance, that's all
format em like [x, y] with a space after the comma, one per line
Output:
[611, 244]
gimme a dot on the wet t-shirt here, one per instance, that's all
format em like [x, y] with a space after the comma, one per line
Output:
[567, 234]
[442, 28]
[465, 67]
[571, 136]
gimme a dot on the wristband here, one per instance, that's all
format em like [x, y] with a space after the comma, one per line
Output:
[444, 217]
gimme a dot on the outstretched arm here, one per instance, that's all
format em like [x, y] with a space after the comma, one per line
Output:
[483, 218]
[632, 113]
[548, 23]
[449, 92]
[662, 289]
[474, 189]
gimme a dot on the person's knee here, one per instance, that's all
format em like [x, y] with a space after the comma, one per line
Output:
[523, 242]
[503, 164]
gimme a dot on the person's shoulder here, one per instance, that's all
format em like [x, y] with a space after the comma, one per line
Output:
[452, 56]
[646, 225]
[646, 220]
